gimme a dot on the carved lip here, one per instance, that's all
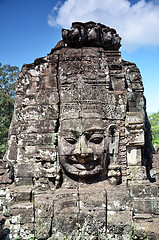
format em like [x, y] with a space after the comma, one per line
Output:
[85, 166]
[86, 173]
[88, 160]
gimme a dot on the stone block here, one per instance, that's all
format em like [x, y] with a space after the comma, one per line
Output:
[43, 205]
[155, 174]
[66, 201]
[27, 231]
[142, 217]
[49, 139]
[114, 174]
[143, 191]
[22, 213]
[50, 78]
[147, 229]
[90, 52]
[41, 185]
[119, 222]
[137, 85]
[134, 118]
[23, 181]
[13, 147]
[118, 199]
[48, 112]
[117, 83]
[150, 206]
[47, 97]
[112, 56]
[67, 94]
[47, 126]
[65, 224]
[135, 138]
[30, 150]
[95, 216]
[6, 177]
[30, 113]
[92, 223]
[42, 228]
[28, 128]
[136, 173]
[134, 157]
[92, 198]
[67, 54]
[21, 193]
[69, 111]
[24, 170]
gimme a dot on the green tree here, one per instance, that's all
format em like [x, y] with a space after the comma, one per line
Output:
[154, 121]
[6, 112]
[8, 77]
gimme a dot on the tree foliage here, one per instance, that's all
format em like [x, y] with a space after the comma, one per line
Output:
[154, 121]
[6, 112]
[8, 77]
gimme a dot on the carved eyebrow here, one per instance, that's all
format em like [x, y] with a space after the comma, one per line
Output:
[88, 131]
[92, 130]
[71, 132]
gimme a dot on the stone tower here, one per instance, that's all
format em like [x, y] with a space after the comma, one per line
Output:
[79, 150]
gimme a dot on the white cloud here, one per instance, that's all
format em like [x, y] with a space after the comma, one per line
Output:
[137, 24]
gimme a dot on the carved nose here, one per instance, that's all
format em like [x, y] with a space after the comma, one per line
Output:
[82, 149]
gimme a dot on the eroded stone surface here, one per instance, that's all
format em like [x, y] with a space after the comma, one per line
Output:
[91, 34]
[79, 150]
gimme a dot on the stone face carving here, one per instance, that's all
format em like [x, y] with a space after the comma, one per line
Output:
[91, 34]
[82, 147]
[79, 150]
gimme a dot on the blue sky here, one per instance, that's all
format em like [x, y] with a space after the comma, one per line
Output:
[30, 28]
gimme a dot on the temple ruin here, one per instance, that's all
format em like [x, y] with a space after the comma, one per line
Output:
[79, 157]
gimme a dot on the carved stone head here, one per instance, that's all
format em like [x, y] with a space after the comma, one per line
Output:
[87, 97]
[82, 147]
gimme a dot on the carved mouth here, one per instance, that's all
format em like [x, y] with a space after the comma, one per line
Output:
[84, 164]
[82, 160]
[74, 167]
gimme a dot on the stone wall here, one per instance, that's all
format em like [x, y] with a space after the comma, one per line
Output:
[79, 149]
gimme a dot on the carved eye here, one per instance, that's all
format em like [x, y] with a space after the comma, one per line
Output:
[96, 140]
[71, 140]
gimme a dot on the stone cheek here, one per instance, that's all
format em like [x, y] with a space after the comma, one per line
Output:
[79, 145]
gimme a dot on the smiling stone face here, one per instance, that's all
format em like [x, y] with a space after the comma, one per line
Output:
[82, 147]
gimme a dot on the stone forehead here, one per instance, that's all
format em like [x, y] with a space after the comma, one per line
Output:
[81, 125]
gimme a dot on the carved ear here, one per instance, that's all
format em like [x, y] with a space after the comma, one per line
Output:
[113, 143]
